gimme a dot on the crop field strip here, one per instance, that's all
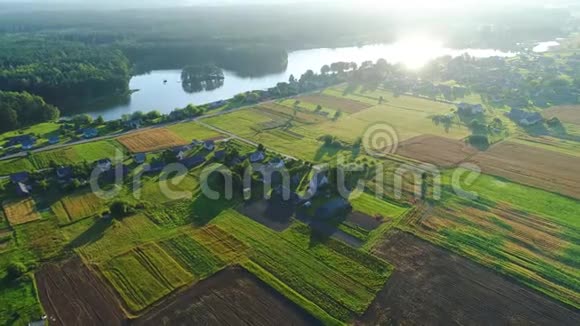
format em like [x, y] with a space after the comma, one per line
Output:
[144, 275]
[440, 151]
[89, 152]
[338, 279]
[567, 114]
[152, 140]
[42, 238]
[436, 284]
[337, 103]
[73, 294]
[192, 256]
[539, 248]
[193, 130]
[21, 212]
[289, 113]
[77, 207]
[550, 143]
[532, 166]
[233, 296]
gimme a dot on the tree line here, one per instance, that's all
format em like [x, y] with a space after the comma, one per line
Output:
[23, 109]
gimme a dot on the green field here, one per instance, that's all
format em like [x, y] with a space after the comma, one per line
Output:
[180, 187]
[42, 130]
[18, 303]
[409, 117]
[104, 239]
[144, 275]
[340, 280]
[43, 238]
[526, 233]
[535, 201]
[192, 256]
[372, 206]
[77, 206]
[89, 152]
[15, 165]
[193, 130]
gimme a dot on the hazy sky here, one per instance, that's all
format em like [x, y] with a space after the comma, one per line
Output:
[405, 6]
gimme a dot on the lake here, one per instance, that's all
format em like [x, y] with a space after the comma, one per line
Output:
[154, 94]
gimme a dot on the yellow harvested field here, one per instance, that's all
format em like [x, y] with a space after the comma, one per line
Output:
[151, 140]
[79, 206]
[568, 113]
[21, 212]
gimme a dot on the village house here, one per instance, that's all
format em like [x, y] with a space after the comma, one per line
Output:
[53, 140]
[471, 109]
[133, 124]
[119, 171]
[525, 118]
[104, 164]
[20, 140]
[154, 167]
[209, 145]
[23, 190]
[64, 174]
[28, 144]
[277, 163]
[319, 179]
[257, 156]
[140, 158]
[90, 133]
[193, 161]
[180, 153]
[20, 177]
[220, 155]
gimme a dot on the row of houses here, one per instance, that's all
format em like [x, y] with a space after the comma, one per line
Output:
[27, 142]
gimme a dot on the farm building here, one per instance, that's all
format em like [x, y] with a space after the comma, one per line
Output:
[257, 156]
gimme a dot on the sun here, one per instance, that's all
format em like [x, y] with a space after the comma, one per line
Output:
[408, 4]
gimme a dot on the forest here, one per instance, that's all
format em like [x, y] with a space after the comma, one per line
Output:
[23, 109]
[72, 58]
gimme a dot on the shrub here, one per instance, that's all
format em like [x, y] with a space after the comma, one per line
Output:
[15, 270]
[120, 209]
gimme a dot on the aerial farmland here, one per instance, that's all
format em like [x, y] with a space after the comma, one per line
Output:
[371, 193]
